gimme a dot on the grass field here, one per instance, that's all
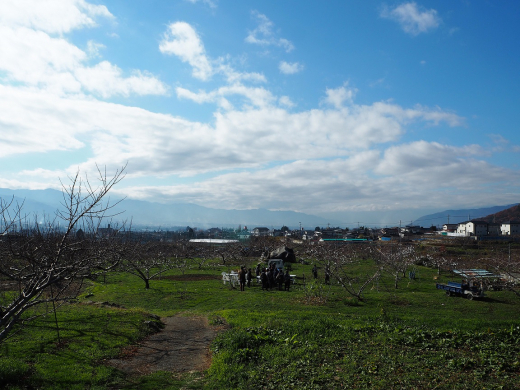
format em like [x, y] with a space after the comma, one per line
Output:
[313, 337]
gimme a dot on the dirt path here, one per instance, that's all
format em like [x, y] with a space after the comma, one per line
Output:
[183, 345]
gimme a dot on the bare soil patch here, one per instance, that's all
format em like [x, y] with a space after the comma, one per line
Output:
[182, 346]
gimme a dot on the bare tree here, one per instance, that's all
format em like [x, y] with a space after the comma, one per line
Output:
[340, 263]
[506, 263]
[48, 261]
[396, 259]
[148, 259]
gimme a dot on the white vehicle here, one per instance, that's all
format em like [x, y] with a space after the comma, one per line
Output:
[278, 262]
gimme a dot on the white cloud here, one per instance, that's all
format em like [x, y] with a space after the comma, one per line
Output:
[256, 96]
[117, 133]
[347, 184]
[499, 139]
[51, 16]
[183, 41]
[209, 3]
[234, 76]
[286, 101]
[37, 59]
[412, 18]
[338, 96]
[263, 34]
[106, 80]
[93, 48]
[290, 68]
[417, 156]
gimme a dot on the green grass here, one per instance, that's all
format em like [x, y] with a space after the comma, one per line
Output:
[88, 334]
[313, 337]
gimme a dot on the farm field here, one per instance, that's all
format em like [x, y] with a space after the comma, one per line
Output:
[315, 336]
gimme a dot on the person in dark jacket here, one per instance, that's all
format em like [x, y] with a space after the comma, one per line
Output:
[270, 276]
[242, 278]
[287, 279]
[280, 280]
[264, 279]
[249, 276]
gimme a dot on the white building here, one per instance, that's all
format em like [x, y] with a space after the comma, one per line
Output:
[510, 228]
[473, 228]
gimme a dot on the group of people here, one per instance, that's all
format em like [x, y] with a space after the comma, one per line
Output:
[271, 277]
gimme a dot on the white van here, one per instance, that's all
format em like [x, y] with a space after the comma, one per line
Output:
[277, 262]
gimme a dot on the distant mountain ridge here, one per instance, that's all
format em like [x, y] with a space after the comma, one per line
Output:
[460, 215]
[509, 214]
[145, 214]
[151, 214]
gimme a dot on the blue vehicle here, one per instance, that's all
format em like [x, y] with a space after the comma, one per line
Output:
[461, 289]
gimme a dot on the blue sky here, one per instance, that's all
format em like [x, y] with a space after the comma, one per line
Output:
[328, 108]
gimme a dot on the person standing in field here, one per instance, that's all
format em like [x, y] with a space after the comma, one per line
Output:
[270, 276]
[249, 277]
[242, 278]
[280, 279]
[287, 281]
[264, 279]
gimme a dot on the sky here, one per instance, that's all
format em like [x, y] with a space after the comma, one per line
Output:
[328, 107]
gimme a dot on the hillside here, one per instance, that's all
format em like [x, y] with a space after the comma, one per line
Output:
[460, 215]
[509, 214]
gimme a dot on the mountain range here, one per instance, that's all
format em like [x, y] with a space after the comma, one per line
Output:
[144, 214]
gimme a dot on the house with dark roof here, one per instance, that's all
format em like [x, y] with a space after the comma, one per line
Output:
[450, 227]
[260, 232]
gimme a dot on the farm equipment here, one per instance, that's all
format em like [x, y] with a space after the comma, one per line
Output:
[461, 289]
